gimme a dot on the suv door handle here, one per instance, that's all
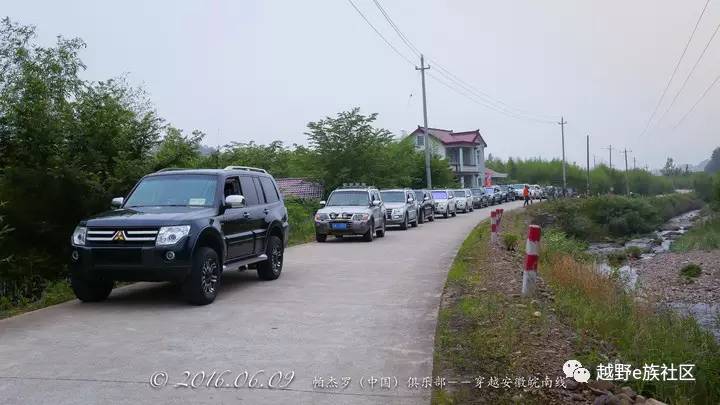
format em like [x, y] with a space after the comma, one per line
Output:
[266, 211]
[246, 215]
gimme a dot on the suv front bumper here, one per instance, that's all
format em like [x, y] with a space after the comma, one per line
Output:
[339, 228]
[136, 263]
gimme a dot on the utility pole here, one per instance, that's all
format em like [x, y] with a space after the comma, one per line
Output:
[634, 163]
[610, 149]
[627, 179]
[588, 164]
[422, 70]
[562, 132]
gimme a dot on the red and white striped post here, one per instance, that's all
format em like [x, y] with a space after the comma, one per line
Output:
[493, 226]
[532, 255]
[500, 213]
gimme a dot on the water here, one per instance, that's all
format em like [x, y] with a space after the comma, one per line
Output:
[707, 315]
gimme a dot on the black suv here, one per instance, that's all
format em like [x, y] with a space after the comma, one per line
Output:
[185, 226]
[426, 205]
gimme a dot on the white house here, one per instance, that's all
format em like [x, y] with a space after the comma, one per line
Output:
[465, 151]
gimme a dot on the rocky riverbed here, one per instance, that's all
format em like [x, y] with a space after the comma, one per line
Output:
[656, 275]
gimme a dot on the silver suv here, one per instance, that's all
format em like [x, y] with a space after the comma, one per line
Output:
[464, 200]
[351, 210]
[444, 202]
[400, 207]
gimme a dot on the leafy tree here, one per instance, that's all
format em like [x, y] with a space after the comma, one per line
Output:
[670, 169]
[178, 149]
[350, 149]
[713, 166]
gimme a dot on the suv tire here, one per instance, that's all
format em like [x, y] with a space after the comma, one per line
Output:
[271, 268]
[454, 213]
[414, 224]
[201, 286]
[404, 225]
[431, 218]
[320, 237]
[380, 233]
[368, 237]
[91, 290]
[445, 215]
[421, 216]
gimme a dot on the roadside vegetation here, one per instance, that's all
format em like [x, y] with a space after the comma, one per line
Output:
[613, 217]
[705, 236]
[612, 325]
[481, 327]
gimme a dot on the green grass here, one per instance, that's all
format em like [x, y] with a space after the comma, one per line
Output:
[691, 271]
[478, 331]
[55, 293]
[601, 311]
[702, 237]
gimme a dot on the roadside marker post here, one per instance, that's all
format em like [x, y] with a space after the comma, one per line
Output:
[532, 255]
[493, 226]
[500, 215]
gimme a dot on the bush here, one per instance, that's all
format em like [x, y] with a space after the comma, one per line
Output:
[510, 241]
[301, 218]
[691, 271]
[705, 236]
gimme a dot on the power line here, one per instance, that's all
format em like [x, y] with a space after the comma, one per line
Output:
[677, 65]
[692, 71]
[408, 60]
[497, 105]
[702, 97]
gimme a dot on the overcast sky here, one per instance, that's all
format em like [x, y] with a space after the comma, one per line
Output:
[260, 70]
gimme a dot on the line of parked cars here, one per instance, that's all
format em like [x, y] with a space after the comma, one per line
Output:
[356, 209]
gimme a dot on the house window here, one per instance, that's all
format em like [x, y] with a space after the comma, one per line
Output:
[420, 140]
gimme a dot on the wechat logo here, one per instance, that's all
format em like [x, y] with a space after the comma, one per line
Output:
[573, 369]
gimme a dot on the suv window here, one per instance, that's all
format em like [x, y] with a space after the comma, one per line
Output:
[248, 191]
[232, 186]
[271, 194]
[258, 190]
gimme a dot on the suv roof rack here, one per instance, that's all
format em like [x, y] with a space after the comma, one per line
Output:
[247, 168]
[354, 185]
[170, 169]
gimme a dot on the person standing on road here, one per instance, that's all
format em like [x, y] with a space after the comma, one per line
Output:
[526, 195]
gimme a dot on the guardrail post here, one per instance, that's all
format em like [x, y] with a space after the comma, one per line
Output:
[532, 256]
[493, 226]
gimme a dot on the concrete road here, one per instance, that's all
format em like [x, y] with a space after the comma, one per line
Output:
[342, 309]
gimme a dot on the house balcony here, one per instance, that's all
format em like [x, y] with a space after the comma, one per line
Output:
[465, 169]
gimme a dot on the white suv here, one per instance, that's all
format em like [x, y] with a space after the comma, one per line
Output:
[444, 202]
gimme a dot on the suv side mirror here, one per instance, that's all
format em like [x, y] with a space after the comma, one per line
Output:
[322, 203]
[376, 203]
[234, 201]
[426, 198]
[117, 202]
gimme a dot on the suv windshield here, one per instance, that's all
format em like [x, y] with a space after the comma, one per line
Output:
[489, 190]
[439, 195]
[174, 191]
[419, 195]
[339, 198]
[393, 196]
[477, 191]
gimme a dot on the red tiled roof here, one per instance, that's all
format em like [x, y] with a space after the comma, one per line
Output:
[448, 137]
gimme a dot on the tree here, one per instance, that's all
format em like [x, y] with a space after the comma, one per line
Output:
[670, 169]
[713, 166]
[349, 148]
[178, 149]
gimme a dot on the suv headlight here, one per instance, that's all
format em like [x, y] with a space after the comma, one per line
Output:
[397, 211]
[360, 217]
[321, 216]
[169, 235]
[78, 236]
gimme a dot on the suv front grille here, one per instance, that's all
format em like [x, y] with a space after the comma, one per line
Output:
[122, 237]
